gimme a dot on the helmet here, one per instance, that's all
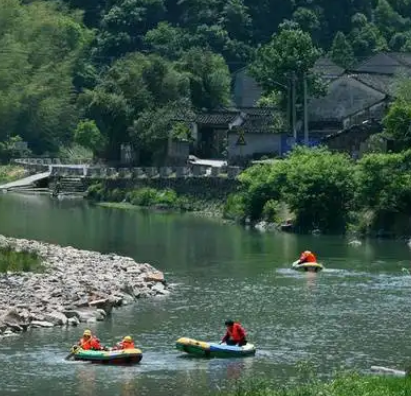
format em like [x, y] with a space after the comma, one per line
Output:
[229, 322]
[307, 252]
[87, 333]
[128, 339]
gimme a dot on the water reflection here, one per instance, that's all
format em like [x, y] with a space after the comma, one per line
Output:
[86, 379]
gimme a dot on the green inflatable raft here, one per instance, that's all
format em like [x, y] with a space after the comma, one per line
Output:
[120, 357]
[311, 267]
[213, 349]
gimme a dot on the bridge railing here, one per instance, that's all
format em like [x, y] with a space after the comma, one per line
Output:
[56, 169]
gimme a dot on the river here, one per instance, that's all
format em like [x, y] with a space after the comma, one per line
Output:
[354, 314]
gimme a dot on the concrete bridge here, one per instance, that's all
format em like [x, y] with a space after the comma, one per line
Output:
[43, 168]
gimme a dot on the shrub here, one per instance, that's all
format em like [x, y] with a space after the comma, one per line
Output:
[96, 192]
[19, 261]
[166, 197]
[271, 211]
[144, 197]
[235, 208]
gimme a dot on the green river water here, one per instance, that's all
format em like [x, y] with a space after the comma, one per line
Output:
[354, 314]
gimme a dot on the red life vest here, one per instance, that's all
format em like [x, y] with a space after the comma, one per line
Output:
[236, 332]
[308, 257]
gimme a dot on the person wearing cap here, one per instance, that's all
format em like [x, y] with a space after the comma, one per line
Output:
[127, 343]
[89, 342]
[235, 334]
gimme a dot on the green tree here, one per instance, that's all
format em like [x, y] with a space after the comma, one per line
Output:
[388, 20]
[40, 45]
[290, 51]
[125, 24]
[341, 51]
[383, 186]
[365, 37]
[89, 136]
[397, 123]
[133, 86]
[209, 78]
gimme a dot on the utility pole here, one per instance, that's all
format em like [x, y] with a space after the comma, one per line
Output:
[306, 140]
[294, 113]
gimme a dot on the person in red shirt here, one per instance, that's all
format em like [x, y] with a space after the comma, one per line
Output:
[89, 342]
[307, 257]
[235, 334]
[127, 343]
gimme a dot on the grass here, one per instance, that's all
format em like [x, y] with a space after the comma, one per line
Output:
[341, 385]
[9, 173]
[19, 261]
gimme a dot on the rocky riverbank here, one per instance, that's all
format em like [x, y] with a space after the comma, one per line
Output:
[77, 286]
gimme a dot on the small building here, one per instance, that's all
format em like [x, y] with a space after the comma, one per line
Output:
[236, 134]
[347, 102]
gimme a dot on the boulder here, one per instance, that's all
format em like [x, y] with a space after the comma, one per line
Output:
[71, 314]
[38, 323]
[14, 320]
[105, 304]
[74, 321]
[57, 318]
[159, 288]
[155, 277]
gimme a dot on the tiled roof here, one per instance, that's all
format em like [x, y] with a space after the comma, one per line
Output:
[258, 124]
[380, 82]
[385, 63]
[217, 118]
[327, 68]
[346, 96]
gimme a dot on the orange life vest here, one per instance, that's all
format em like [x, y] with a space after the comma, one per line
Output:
[90, 343]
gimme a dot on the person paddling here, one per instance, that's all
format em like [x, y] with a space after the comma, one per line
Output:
[235, 334]
[89, 342]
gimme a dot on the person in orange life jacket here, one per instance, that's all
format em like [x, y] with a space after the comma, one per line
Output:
[235, 334]
[89, 342]
[307, 257]
[127, 343]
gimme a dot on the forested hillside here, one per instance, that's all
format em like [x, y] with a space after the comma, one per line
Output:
[129, 66]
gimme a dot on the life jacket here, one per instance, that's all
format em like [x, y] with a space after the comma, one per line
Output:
[90, 343]
[308, 258]
[127, 345]
[236, 332]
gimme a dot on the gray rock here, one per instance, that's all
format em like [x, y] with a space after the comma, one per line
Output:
[158, 288]
[71, 314]
[74, 321]
[38, 323]
[77, 286]
[57, 318]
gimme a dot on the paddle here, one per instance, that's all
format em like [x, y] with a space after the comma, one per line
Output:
[73, 351]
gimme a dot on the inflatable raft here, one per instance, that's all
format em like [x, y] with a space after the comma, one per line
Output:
[213, 349]
[313, 267]
[126, 356]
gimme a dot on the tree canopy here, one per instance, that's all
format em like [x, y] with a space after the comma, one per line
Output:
[114, 61]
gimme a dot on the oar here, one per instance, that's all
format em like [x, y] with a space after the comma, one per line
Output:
[73, 351]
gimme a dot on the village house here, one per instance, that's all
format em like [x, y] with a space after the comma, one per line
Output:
[357, 97]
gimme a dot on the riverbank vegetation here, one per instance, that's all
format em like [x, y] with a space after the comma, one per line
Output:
[147, 197]
[9, 173]
[329, 192]
[342, 385]
[19, 261]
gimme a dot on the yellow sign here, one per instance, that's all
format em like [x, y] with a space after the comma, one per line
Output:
[241, 139]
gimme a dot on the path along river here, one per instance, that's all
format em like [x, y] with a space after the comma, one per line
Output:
[354, 314]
